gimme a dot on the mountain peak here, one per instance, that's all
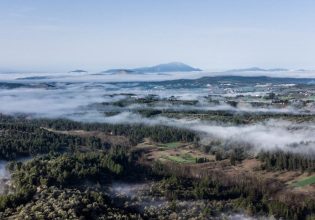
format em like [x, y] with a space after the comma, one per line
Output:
[120, 71]
[160, 68]
[167, 67]
[258, 69]
[78, 71]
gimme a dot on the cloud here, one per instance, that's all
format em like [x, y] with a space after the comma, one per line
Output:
[51, 102]
[89, 101]
[269, 135]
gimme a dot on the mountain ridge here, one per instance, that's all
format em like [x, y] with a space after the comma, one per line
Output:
[160, 68]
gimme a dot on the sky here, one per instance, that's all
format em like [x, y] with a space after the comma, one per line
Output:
[59, 35]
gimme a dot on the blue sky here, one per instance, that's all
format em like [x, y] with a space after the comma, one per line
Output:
[61, 35]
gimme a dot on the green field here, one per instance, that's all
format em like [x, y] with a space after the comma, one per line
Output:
[185, 158]
[305, 182]
[171, 145]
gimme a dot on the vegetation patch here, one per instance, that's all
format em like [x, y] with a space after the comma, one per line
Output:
[184, 158]
[305, 182]
[171, 145]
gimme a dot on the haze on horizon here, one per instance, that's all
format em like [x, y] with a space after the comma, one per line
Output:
[98, 35]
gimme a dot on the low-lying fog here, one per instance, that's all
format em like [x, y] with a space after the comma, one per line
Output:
[62, 99]
[4, 177]
[137, 196]
[267, 135]
[43, 97]
[101, 77]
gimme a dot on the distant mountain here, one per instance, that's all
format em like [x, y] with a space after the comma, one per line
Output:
[302, 70]
[252, 69]
[78, 71]
[120, 71]
[167, 67]
[161, 68]
[33, 78]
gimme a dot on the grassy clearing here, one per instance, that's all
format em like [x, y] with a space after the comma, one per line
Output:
[189, 158]
[185, 158]
[171, 145]
[305, 182]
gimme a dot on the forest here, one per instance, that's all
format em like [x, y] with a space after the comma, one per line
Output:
[68, 176]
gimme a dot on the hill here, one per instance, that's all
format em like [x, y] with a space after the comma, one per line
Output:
[161, 68]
